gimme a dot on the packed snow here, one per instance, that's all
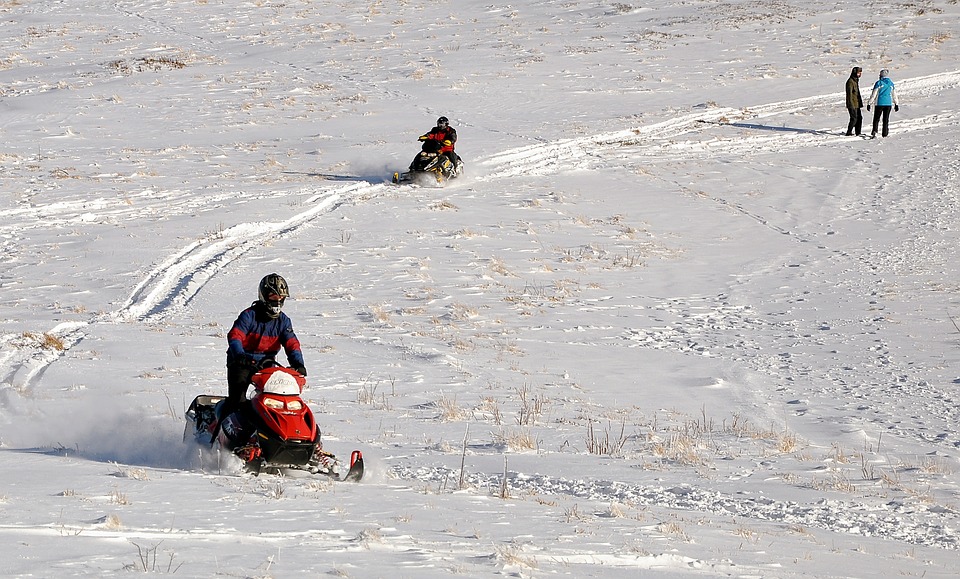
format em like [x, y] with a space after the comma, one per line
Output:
[672, 321]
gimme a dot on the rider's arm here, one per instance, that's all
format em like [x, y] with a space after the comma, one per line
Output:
[291, 344]
[238, 335]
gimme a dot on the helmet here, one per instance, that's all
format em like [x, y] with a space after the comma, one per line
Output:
[272, 292]
[443, 122]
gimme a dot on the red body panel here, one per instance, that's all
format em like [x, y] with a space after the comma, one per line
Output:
[297, 424]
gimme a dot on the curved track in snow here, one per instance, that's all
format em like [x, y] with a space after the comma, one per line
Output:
[169, 285]
[683, 137]
[176, 280]
[173, 283]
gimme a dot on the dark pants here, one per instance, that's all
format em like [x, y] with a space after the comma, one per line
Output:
[884, 112]
[238, 379]
[856, 121]
[238, 423]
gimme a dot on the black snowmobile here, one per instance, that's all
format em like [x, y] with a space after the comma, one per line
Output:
[430, 167]
[274, 431]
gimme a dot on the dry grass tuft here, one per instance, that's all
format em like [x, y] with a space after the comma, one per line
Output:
[610, 443]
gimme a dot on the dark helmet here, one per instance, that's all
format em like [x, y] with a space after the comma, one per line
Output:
[272, 292]
[443, 122]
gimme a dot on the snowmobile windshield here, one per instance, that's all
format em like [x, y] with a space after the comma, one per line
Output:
[278, 380]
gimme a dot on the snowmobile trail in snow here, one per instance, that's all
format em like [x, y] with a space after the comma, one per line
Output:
[170, 286]
[694, 324]
[661, 142]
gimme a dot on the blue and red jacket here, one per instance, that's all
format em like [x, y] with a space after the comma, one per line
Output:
[255, 336]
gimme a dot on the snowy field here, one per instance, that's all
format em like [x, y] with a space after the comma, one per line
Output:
[671, 323]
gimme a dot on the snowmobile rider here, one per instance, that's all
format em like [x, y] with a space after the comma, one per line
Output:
[257, 336]
[447, 137]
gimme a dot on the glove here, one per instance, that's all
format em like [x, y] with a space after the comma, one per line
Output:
[422, 138]
[896, 108]
[868, 107]
[300, 370]
[447, 142]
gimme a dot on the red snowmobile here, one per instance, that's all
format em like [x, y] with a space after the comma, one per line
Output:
[271, 432]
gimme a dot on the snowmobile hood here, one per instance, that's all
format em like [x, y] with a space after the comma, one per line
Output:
[279, 380]
[286, 417]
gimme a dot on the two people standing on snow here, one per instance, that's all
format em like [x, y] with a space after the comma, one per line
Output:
[884, 97]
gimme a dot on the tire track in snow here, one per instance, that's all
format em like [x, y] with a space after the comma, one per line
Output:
[659, 141]
[167, 288]
[173, 284]
[892, 520]
[572, 154]
[776, 140]
[26, 356]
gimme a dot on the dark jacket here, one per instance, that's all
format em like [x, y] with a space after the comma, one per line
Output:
[447, 137]
[255, 336]
[854, 100]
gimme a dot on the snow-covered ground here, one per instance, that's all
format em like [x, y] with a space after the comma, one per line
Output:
[672, 322]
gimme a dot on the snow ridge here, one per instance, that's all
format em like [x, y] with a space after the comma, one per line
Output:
[893, 520]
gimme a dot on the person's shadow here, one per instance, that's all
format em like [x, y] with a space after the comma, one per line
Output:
[757, 127]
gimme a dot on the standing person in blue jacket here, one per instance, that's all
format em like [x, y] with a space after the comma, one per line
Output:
[884, 96]
[258, 334]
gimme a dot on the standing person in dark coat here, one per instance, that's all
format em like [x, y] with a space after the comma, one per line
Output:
[854, 102]
[884, 96]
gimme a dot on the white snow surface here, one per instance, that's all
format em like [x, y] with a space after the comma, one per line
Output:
[671, 323]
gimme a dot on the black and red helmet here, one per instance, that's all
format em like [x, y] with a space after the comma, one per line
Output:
[273, 291]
